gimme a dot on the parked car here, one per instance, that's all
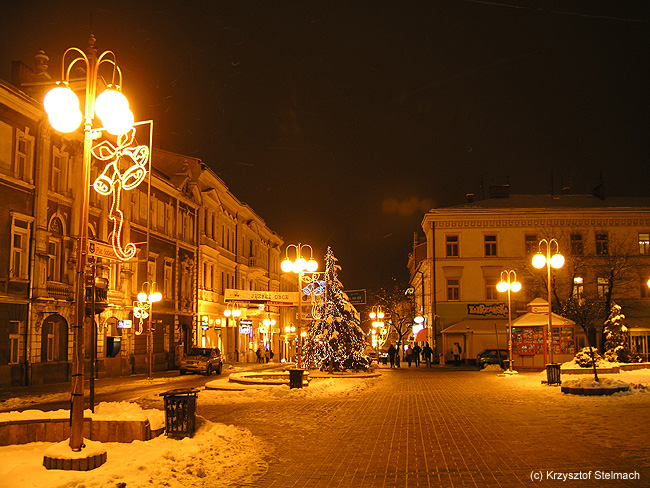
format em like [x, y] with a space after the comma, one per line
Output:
[492, 356]
[204, 360]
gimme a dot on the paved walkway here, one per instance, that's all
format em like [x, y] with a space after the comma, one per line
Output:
[442, 427]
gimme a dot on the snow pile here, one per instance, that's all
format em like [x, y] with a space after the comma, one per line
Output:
[318, 388]
[103, 411]
[600, 363]
[589, 382]
[217, 455]
[492, 368]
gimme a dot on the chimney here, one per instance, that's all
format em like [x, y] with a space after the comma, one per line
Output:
[469, 197]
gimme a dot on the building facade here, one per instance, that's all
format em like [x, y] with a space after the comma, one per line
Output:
[195, 240]
[605, 242]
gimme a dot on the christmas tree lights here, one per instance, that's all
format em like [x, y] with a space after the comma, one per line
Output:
[335, 339]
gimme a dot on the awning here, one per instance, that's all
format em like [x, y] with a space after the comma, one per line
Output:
[422, 335]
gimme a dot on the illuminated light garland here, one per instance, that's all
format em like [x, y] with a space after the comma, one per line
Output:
[112, 181]
[141, 312]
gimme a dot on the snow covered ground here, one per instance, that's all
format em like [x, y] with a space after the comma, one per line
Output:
[222, 455]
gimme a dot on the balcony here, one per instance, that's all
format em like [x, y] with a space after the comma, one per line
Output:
[59, 291]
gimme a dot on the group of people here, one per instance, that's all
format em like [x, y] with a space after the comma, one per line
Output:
[412, 355]
[263, 355]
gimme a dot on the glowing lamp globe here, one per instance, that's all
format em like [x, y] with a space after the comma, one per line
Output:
[373, 315]
[286, 265]
[142, 297]
[299, 265]
[113, 108]
[419, 319]
[155, 297]
[226, 313]
[380, 315]
[539, 261]
[557, 261]
[236, 313]
[312, 265]
[62, 107]
[515, 286]
[502, 286]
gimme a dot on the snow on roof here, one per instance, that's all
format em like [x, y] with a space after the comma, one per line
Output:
[480, 326]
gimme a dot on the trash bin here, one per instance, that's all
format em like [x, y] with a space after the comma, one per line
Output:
[553, 374]
[180, 412]
[295, 378]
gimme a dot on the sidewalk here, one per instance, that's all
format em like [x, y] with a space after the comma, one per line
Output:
[441, 427]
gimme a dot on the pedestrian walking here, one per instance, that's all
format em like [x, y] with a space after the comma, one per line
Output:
[392, 352]
[457, 351]
[415, 355]
[408, 356]
[266, 355]
[427, 352]
[258, 353]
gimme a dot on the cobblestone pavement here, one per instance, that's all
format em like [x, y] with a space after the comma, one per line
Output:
[442, 427]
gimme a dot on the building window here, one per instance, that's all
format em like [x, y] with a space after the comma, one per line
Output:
[603, 287]
[453, 290]
[167, 280]
[14, 341]
[577, 249]
[601, 244]
[452, 246]
[531, 244]
[151, 269]
[23, 156]
[644, 244]
[54, 340]
[490, 246]
[491, 289]
[578, 287]
[645, 290]
[20, 229]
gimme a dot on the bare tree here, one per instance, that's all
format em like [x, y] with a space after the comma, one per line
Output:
[398, 308]
[585, 312]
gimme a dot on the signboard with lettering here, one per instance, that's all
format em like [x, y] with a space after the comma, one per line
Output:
[356, 297]
[101, 250]
[245, 326]
[500, 309]
[124, 324]
[269, 297]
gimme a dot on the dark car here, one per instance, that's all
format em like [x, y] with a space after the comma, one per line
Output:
[492, 356]
[204, 360]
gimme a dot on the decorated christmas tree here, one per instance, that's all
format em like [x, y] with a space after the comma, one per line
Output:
[615, 332]
[335, 339]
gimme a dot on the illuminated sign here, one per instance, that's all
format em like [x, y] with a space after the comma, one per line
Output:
[124, 324]
[245, 326]
[485, 309]
[277, 297]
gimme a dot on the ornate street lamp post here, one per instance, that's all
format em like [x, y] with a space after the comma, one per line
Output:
[62, 107]
[300, 266]
[509, 283]
[549, 260]
[377, 316]
[149, 295]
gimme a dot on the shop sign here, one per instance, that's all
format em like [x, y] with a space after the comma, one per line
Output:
[483, 309]
[245, 326]
[124, 324]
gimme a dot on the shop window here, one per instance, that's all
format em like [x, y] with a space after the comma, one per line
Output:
[644, 244]
[577, 248]
[490, 242]
[528, 340]
[453, 289]
[601, 245]
[563, 340]
[452, 246]
[531, 244]
[491, 289]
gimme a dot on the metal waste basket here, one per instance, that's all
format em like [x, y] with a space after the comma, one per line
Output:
[553, 374]
[180, 412]
[295, 378]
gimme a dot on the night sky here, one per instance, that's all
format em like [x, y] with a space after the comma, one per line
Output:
[340, 123]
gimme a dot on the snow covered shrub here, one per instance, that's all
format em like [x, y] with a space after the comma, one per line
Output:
[583, 358]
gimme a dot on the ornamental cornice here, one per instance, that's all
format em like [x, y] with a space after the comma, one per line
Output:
[542, 222]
